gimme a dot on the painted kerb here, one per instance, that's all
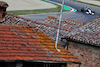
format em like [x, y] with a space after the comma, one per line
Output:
[65, 7]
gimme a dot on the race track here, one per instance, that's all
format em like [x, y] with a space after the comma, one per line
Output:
[77, 16]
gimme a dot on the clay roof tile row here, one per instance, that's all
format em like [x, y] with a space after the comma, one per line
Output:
[18, 42]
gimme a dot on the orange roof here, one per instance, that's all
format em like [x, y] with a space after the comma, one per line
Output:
[30, 44]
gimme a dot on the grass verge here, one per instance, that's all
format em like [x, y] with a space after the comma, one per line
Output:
[37, 11]
[97, 0]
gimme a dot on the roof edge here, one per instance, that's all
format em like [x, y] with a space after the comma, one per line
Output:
[81, 42]
[40, 61]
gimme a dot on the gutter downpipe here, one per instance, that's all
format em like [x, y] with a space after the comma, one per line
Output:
[59, 27]
[79, 65]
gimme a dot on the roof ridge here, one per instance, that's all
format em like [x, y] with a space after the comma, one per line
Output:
[46, 24]
[53, 17]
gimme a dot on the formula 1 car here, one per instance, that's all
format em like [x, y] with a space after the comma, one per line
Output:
[87, 11]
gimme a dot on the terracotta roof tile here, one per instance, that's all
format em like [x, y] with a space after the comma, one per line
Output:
[89, 33]
[25, 43]
[73, 30]
[21, 40]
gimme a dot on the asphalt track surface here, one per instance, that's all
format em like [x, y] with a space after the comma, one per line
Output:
[77, 16]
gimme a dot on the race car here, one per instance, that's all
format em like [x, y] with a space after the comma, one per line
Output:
[88, 11]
